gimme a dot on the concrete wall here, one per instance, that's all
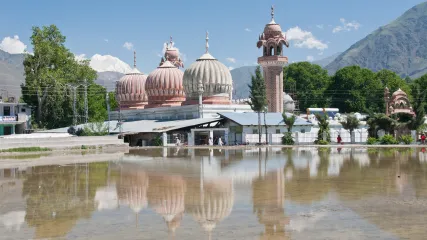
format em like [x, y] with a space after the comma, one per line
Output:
[66, 142]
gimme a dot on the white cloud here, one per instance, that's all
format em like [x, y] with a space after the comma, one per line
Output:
[80, 57]
[304, 39]
[128, 45]
[310, 58]
[320, 26]
[104, 63]
[248, 30]
[13, 45]
[230, 59]
[346, 26]
[230, 68]
[106, 40]
[321, 53]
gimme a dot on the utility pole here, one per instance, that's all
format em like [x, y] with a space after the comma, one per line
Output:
[74, 89]
[86, 103]
[107, 98]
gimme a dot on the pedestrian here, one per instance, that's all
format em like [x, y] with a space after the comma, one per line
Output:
[219, 141]
[210, 141]
[339, 139]
[177, 141]
[423, 138]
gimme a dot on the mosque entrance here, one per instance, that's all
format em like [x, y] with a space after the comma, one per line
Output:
[201, 136]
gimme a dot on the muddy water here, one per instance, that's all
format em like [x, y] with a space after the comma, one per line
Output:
[212, 194]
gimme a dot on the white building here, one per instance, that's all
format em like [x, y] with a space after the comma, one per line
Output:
[14, 117]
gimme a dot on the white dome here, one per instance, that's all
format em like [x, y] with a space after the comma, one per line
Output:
[288, 103]
[214, 76]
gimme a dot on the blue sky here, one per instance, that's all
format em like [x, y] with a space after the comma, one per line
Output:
[234, 26]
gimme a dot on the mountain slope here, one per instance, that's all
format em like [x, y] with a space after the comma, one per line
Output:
[325, 61]
[399, 46]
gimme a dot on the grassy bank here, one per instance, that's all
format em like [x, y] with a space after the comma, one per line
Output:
[26, 149]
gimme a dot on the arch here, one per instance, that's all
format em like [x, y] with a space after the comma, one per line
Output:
[265, 50]
[271, 52]
[279, 51]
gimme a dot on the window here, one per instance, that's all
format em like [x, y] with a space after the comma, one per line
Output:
[255, 131]
[23, 110]
[271, 51]
[303, 130]
[6, 111]
[278, 50]
[277, 131]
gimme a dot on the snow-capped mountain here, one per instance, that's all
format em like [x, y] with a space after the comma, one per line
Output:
[108, 63]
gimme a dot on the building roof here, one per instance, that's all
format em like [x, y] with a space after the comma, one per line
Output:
[146, 125]
[251, 118]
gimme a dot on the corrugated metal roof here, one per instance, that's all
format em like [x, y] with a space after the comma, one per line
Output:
[251, 118]
[146, 125]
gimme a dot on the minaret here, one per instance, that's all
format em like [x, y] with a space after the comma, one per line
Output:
[386, 100]
[272, 62]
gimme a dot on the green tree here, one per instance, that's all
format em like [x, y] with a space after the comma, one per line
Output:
[355, 89]
[421, 83]
[322, 121]
[418, 105]
[257, 96]
[311, 82]
[393, 81]
[48, 74]
[380, 121]
[289, 121]
[350, 123]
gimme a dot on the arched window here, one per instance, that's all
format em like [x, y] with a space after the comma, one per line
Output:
[271, 51]
[279, 51]
[265, 50]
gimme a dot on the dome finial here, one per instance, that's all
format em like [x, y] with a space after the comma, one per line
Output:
[171, 42]
[134, 59]
[272, 12]
[207, 41]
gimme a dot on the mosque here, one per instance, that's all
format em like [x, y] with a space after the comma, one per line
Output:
[195, 99]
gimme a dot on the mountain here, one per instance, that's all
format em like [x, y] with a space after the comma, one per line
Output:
[11, 74]
[108, 79]
[108, 63]
[325, 61]
[399, 46]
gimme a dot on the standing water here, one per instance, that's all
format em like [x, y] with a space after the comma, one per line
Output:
[301, 193]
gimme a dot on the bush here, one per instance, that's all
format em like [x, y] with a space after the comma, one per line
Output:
[372, 141]
[406, 139]
[287, 139]
[321, 142]
[71, 130]
[158, 141]
[388, 140]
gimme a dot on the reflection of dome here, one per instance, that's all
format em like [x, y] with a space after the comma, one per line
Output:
[212, 204]
[164, 86]
[212, 76]
[288, 103]
[132, 190]
[166, 196]
[130, 89]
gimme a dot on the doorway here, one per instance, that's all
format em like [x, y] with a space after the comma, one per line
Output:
[7, 130]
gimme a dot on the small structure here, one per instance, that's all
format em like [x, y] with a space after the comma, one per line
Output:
[272, 62]
[243, 127]
[172, 55]
[14, 117]
[398, 103]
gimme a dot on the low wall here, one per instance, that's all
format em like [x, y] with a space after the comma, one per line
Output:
[59, 142]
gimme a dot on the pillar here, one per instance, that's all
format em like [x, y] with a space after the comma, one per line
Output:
[165, 139]
[296, 138]
[211, 135]
[190, 137]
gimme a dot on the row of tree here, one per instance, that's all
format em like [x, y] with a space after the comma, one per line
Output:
[351, 89]
[50, 74]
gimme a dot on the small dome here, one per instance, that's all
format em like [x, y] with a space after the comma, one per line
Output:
[130, 90]
[172, 54]
[399, 92]
[272, 29]
[210, 76]
[164, 86]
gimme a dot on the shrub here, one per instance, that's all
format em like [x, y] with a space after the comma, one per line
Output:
[287, 139]
[388, 140]
[71, 130]
[158, 141]
[372, 141]
[321, 142]
[406, 139]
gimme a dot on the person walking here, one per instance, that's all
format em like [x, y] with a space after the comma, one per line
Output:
[339, 139]
[219, 141]
[423, 138]
[210, 141]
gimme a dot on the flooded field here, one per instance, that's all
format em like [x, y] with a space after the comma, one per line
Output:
[304, 193]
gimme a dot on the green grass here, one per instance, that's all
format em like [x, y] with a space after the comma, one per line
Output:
[26, 149]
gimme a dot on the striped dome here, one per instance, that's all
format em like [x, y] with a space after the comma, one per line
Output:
[130, 89]
[164, 85]
[210, 73]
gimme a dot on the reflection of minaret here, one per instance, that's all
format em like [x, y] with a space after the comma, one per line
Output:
[269, 199]
[166, 196]
[132, 190]
[209, 201]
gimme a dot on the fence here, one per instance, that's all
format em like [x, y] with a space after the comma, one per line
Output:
[359, 136]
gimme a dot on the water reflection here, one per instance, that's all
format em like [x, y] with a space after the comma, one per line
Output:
[228, 194]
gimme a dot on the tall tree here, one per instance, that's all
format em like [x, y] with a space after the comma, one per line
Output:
[311, 82]
[322, 122]
[418, 105]
[258, 97]
[289, 121]
[49, 72]
[355, 89]
[350, 123]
